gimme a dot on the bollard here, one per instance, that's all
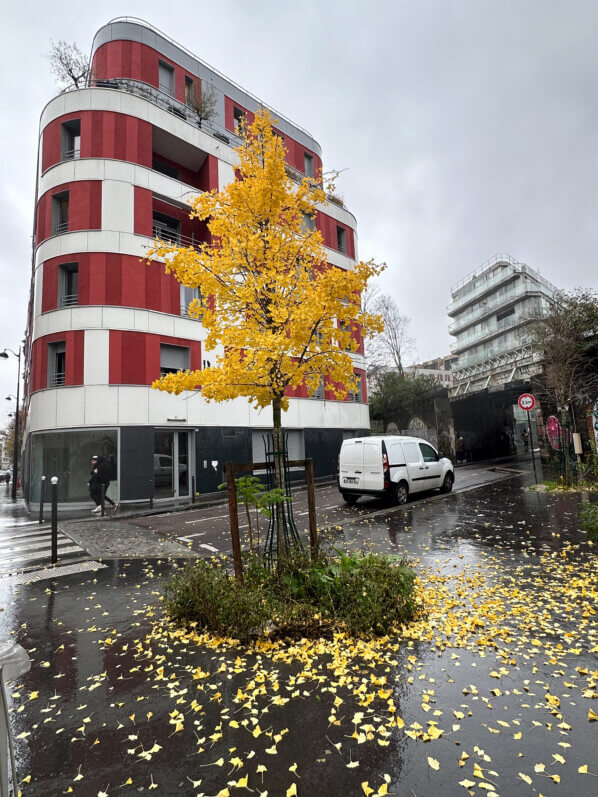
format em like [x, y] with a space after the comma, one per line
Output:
[151, 493]
[193, 489]
[41, 500]
[54, 500]
[103, 499]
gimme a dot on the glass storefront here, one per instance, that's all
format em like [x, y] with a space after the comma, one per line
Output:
[68, 456]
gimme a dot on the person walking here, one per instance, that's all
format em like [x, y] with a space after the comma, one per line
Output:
[98, 477]
[525, 438]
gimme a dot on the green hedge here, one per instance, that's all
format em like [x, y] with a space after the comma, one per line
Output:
[358, 594]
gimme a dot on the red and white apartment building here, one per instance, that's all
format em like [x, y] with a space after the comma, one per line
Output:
[118, 161]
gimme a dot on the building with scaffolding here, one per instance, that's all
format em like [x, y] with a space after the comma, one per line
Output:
[491, 310]
[118, 160]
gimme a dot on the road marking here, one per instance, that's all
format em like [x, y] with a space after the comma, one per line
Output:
[203, 519]
[208, 547]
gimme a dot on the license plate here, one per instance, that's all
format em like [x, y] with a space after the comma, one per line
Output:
[350, 480]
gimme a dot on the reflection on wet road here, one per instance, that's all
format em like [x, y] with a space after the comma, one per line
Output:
[490, 693]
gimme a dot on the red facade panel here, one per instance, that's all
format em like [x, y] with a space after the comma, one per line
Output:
[113, 279]
[327, 226]
[135, 356]
[74, 358]
[104, 134]
[85, 208]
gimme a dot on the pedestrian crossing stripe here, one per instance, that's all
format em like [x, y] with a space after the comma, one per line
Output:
[25, 548]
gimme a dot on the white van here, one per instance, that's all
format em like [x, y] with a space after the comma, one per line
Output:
[391, 465]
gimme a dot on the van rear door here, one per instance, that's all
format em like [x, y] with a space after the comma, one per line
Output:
[373, 471]
[351, 465]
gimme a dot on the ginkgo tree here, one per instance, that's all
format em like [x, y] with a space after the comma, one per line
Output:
[277, 312]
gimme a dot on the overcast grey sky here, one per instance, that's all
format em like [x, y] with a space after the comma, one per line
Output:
[466, 127]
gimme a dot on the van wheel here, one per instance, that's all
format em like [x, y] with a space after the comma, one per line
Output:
[400, 494]
[349, 498]
[447, 484]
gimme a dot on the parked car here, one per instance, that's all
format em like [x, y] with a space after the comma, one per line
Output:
[394, 466]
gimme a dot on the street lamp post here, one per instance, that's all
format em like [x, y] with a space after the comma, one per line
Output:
[15, 457]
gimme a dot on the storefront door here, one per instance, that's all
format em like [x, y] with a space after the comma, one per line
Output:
[171, 464]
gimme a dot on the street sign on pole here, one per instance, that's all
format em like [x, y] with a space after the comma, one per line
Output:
[526, 401]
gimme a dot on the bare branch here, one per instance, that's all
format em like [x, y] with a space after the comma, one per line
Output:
[68, 64]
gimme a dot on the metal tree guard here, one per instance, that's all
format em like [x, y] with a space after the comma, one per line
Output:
[281, 524]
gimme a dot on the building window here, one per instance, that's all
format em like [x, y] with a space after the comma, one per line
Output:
[308, 164]
[505, 314]
[355, 395]
[56, 363]
[308, 223]
[341, 239]
[187, 296]
[238, 120]
[166, 227]
[173, 359]
[68, 285]
[60, 212]
[166, 78]
[319, 392]
[189, 93]
[70, 140]
[164, 168]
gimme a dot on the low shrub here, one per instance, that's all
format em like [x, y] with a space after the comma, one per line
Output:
[589, 517]
[300, 597]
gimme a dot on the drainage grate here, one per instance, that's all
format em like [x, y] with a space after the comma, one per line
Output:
[51, 572]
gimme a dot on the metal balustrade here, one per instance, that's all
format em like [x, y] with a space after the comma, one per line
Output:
[69, 299]
[57, 379]
[171, 236]
[71, 154]
[62, 226]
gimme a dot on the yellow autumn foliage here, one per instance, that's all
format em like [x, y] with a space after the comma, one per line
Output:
[275, 314]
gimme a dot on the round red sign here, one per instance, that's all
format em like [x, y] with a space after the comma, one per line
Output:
[526, 401]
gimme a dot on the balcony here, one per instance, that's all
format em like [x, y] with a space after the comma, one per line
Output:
[522, 289]
[162, 97]
[466, 341]
[170, 236]
[478, 288]
[60, 227]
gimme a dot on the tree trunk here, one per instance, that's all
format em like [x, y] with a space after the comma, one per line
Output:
[279, 480]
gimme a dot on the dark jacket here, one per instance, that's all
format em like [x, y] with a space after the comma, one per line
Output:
[95, 478]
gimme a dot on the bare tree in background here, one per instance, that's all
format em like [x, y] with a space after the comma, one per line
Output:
[68, 64]
[391, 346]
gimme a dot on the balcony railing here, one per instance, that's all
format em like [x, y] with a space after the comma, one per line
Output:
[164, 99]
[174, 237]
[466, 341]
[491, 304]
[57, 379]
[71, 154]
[185, 313]
[62, 226]
[69, 299]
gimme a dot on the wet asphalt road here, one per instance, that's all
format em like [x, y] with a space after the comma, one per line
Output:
[206, 530]
[96, 703]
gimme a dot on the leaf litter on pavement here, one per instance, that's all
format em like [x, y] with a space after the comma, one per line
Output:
[496, 668]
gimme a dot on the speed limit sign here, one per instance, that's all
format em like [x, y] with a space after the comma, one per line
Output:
[526, 401]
